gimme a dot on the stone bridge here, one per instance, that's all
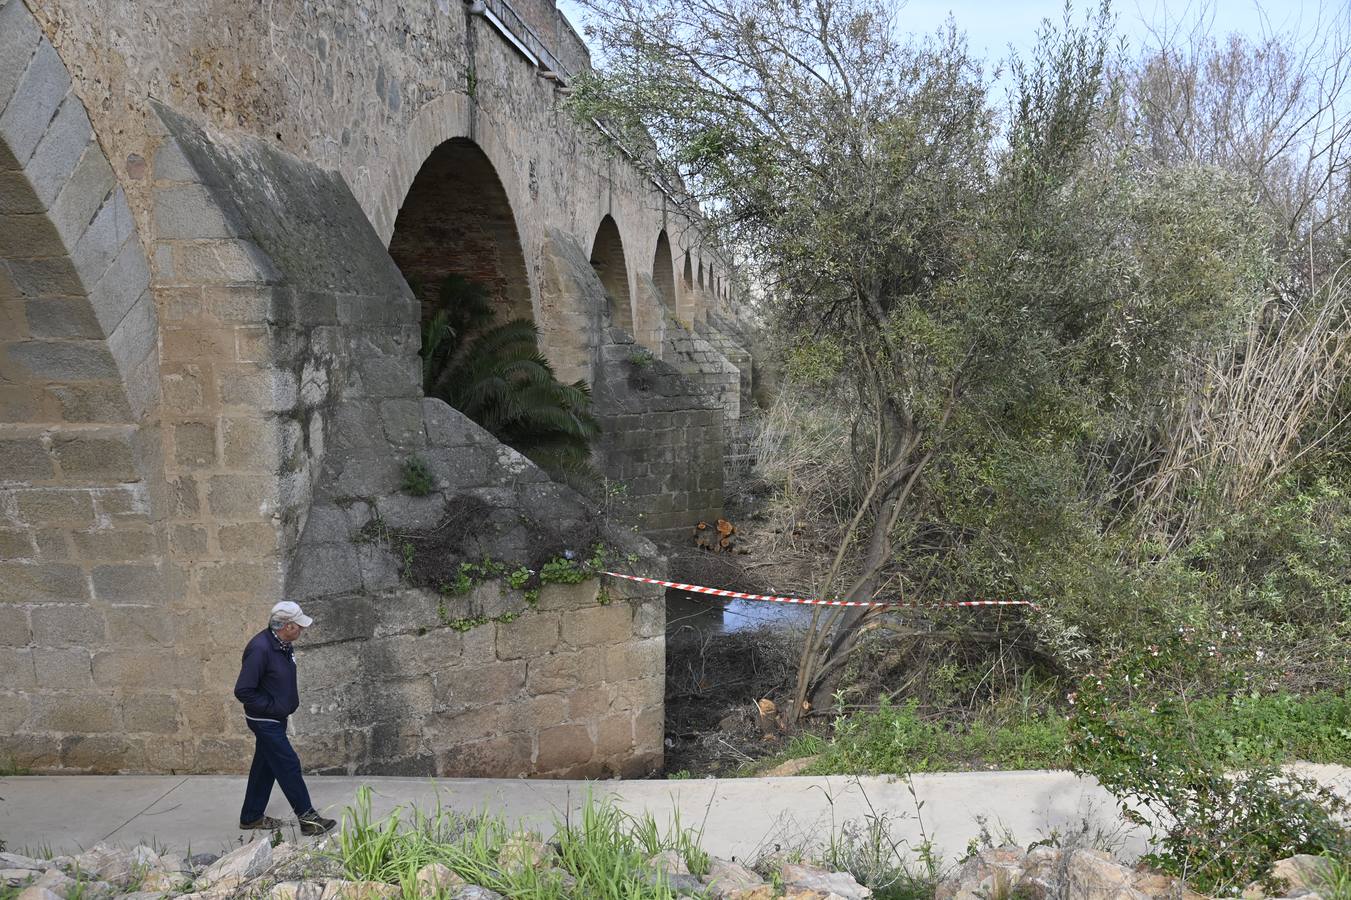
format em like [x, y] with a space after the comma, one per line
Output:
[211, 214]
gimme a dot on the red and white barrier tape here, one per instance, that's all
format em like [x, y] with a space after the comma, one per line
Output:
[717, 592]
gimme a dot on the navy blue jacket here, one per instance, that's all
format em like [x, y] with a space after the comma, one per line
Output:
[267, 679]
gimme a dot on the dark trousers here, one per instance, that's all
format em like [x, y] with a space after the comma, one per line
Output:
[273, 760]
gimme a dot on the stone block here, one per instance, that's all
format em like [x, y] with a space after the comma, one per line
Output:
[148, 626]
[340, 619]
[564, 746]
[13, 713]
[52, 544]
[528, 637]
[598, 625]
[636, 659]
[59, 625]
[41, 583]
[63, 360]
[35, 100]
[150, 713]
[402, 421]
[128, 670]
[222, 262]
[188, 212]
[16, 543]
[562, 672]
[614, 736]
[590, 704]
[59, 318]
[19, 37]
[324, 569]
[134, 584]
[247, 579]
[567, 597]
[171, 165]
[106, 237]
[17, 664]
[497, 682]
[206, 713]
[14, 630]
[102, 754]
[85, 712]
[195, 445]
[100, 457]
[505, 756]
[403, 512]
[26, 459]
[247, 539]
[649, 727]
[123, 544]
[242, 496]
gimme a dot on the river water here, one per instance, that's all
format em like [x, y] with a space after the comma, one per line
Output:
[710, 615]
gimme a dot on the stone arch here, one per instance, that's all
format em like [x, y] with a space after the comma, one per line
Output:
[607, 258]
[663, 271]
[457, 220]
[701, 275]
[79, 390]
[686, 301]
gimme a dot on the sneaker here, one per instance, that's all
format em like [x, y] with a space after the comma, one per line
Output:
[311, 824]
[266, 823]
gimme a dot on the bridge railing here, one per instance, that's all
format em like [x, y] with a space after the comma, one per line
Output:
[505, 18]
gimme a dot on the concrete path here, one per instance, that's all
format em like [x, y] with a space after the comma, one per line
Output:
[739, 817]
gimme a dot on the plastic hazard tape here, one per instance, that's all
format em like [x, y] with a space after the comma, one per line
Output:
[738, 595]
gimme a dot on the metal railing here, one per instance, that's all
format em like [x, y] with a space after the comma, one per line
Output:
[515, 29]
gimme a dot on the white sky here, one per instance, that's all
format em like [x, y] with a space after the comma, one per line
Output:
[991, 26]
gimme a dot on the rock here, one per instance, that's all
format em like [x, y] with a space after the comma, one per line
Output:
[726, 879]
[436, 878]
[15, 861]
[1158, 886]
[18, 877]
[763, 892]
[55, 881]
[790, 767]
[474, 892]
[37, 893]
[297, 890]
[162, 882]
[670, 862]
[991, 872]
[1091, 874]
[523, 851]
[108, 863]
[834, 884]
[240, 865]
[562, 877]
[1302, 872]
[202, 860]
[64, 863]
[338, 889]
[144, 857]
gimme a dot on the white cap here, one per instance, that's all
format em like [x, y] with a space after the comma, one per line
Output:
[291, 612]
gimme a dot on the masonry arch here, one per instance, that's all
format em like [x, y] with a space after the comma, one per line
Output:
[663, 271]
[607, 258]
[457, 219]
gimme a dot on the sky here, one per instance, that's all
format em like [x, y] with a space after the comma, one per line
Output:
[992, 26]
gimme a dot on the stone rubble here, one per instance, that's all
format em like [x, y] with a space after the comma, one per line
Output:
[258, 870]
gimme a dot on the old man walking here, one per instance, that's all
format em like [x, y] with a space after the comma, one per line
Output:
[267, 688]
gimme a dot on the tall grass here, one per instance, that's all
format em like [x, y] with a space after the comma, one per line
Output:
[601, 855]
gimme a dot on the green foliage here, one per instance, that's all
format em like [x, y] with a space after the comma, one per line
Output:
[1218, 827]
[495, 374]
[604, 851]
[417, 477]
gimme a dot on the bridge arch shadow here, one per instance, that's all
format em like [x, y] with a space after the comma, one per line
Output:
[663, 271]
[607, 258]
[457, 219]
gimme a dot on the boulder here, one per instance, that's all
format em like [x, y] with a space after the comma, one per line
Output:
[18, 877]
[1158, 886]
[296, 890]
[762, 892]
[670, 862]
[436, 879]
[726, 878]
[990, 873]
[17, 861]
[162, 882]
[835, 885]
[474, 892]
[107, 863]
[240, 865]
[56, 881]
[202, 860]
[1092, 874]
[1302, 872]
[524, 851]
[38, 893]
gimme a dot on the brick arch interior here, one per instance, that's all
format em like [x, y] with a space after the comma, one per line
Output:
[607, 258]
[663, 271]
[457, 220]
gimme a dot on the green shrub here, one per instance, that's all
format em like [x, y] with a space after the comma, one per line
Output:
[417, 477]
